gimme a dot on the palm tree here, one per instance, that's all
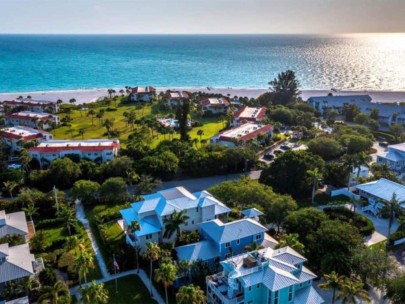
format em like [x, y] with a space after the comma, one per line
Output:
[200, 133]
[350, 290]
[72, 101]
[291, 240]
[190, 294]
[91, 113]
[173, 223]
[315, 176]
[30, 211]
[69, 217]
[100, 115]
[167, 275]
[108, 124]
[133, 228]
[81, 132]
[253, 247]
[393, 207]
[95, 293]
[25, 159]
[332, 281]
[83, 262]
[10, 186]
[152, 253]
[56, 294]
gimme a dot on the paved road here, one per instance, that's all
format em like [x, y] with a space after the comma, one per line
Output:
[199, 184]
[75, 291]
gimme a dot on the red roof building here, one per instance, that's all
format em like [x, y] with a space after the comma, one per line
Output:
[12, 136]
[248, 114]
[33, 105]
[215, 105]
[242, 134]
[143, 93]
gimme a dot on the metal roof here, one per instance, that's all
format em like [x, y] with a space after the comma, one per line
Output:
[225, 232]
[307, 295]
[252, 212]
[204, 250]
[18, 263]
[13, 223]
[384, 189]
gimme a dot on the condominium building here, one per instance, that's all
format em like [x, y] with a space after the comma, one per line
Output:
[34, 120]
[14, 137]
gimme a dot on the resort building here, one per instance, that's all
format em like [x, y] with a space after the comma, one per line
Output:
[215, 105]
[248, 114]
[393, 157]
[13, 137]
[142, 94]
[152, 212]
[33, 105]
[32, 119]
[272, 276]
[388, 113]
[175, 98]
[13, 223]
[243, 134]
[224, 240]
[96, 150]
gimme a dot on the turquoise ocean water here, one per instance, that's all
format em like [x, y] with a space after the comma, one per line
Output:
[62, 62]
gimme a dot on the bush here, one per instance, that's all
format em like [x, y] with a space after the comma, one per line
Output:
[110, 109]
[365, 226]
[400, 234]
[49, 223]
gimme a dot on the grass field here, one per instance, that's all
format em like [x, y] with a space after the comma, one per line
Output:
[93, 127]
[130, 290]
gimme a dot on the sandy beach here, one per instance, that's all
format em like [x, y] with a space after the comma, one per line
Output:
[86, 96]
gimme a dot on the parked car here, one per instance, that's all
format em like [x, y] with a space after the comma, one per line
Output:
[278, 152]
[383, 144]
[285, 147]
[268, 156]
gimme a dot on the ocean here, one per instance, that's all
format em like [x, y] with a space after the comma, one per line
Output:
[66, 62]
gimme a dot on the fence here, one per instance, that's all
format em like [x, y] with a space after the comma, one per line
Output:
[345, 192]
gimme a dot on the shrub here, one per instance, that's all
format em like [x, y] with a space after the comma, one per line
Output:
[110, 109]
[396, 236]
[365, 226]
[49, 223]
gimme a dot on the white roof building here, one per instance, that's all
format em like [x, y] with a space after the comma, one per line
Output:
[15, 262]
[13, 223]
[382, 190]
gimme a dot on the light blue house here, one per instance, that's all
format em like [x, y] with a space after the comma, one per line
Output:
[155, 208]
[223, 240]
[271, 276]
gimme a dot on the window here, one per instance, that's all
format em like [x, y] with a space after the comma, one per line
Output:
[148, 236]
[237, 241]
[276, 297]
[192, 222]
[228, 244]
[227, 256]
[258, 286]
[258, 236]
[196, 209]
[250, 288]
[290, 294]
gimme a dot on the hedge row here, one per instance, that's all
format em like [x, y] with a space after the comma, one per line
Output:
[365, 226]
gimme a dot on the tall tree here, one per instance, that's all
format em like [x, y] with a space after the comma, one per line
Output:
[30, 210]
[393, 207]
[396, 130]
[25, 159]
[396, 289]
[315, 176]
[83, 262]
[350, 290]
[167, 275]
[67, 214]
[190, 294]
[332, 281]
[173, 223]
[284, 88]
[182, 113]
[91, 113]
[133, 228]
[152, 253]
[10, 186]
[278, 209]
[56, 294]
[291, 240]
[95, 293]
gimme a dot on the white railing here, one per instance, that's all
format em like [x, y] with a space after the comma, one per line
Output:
[223, 298]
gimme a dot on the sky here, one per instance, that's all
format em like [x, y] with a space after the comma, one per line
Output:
[201, 16]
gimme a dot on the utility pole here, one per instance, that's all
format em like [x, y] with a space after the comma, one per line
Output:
[56, 199]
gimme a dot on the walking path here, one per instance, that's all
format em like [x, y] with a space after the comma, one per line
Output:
[81, 217]
[75, 291]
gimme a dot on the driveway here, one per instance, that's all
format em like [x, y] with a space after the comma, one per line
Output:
[379, 151]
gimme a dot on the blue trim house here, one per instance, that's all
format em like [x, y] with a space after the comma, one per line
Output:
[271, 276]
[223, 240]
[155, 208]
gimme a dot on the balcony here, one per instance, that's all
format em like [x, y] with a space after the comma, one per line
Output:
[218, 290]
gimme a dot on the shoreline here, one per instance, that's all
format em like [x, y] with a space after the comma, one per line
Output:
[90, 95]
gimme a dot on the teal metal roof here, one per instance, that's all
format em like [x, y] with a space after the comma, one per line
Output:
[253, 212]
[204, 250]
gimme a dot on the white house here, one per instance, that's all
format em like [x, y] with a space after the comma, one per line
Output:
[155, 208]
[242, 134]
[34, 120]
[388, 113]
[175, 98]
[97, 150]
[248, 114]
[394, 157]
[215, 105]
[14, 136]
[13, 223]
[142, 94]
[33, 105]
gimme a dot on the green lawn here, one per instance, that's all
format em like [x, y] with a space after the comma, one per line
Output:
[130, 290]
[211, 125]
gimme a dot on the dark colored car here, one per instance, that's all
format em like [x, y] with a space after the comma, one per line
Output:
[285, 147]
[278, 152]
[268, 156]
[383, 144]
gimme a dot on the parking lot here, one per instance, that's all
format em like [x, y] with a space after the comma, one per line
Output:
[272, 154]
